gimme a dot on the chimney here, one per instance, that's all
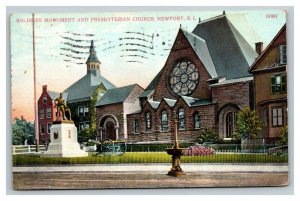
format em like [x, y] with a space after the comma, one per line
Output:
[44, 88]
[259, 47]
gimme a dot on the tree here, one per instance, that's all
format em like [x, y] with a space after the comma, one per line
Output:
[248, 124]
[86, 134]
[22, 131]
[284, 135]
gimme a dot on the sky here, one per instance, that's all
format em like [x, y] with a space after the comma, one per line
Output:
[132, 46]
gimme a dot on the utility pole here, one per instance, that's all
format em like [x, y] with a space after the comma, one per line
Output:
[34, 89]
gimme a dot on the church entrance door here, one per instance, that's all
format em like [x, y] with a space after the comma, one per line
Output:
[110, 131]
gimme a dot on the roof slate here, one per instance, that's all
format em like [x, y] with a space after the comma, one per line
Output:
[84, 88]
[200, 47]
[116, 95]
[230, 52]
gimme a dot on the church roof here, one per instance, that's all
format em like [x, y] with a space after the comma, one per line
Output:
[230, 52]
[84, 88]
[93, 56]
[220, 47]
[116, 95]
[200, 47]
[242, 79]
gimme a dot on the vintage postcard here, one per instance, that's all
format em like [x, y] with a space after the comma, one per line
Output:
[149, 99]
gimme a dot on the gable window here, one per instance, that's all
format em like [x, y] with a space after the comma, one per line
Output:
[181, 119]
[42, 114]
[277, 116]
[282, 54]
[45, 99]
[265, 116]
[278, 83]
[49, 113]
[164, 120]
[196, 120]
[148, 121]
[136, 126]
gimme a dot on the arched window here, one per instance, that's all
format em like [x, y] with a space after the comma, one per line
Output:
[164, 120]
[136, 126]
[196, 120]
[181, 118]
[148, 121]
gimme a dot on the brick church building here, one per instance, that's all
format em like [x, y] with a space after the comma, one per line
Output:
[203, 84]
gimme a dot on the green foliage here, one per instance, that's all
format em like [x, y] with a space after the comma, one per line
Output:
[248, 124]
[147, 157]
[84, 135]
[22, 131]
[284, 135]
[208, 135]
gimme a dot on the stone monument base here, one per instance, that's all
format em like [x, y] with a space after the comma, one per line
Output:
[64, 141]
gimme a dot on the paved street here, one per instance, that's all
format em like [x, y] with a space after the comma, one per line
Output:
[148, 176]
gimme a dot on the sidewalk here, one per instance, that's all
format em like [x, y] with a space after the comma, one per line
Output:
[187, 167]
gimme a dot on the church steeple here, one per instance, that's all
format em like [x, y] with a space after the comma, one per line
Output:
[93, 63]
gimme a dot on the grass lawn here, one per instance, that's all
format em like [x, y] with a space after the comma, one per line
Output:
[147, 157]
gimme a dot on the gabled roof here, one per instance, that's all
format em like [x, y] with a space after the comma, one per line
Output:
[230, 52]
[154, 104]
[54, 95]
[115, 95]
[84, 88]
[267, 48]
[170, 102]
[200, 47]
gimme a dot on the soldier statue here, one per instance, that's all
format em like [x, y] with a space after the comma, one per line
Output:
[62, 108]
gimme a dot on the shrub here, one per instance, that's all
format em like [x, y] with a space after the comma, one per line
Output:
[208, 135]
[198, 151]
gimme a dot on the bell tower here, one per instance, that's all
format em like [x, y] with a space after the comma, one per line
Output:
[93, 63]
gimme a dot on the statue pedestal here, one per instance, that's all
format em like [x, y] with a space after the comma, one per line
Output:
[64, 141]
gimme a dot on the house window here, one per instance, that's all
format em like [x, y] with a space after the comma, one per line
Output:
[278, 83]
[80, 126]
[49, 128]
[148, 121]
[80, 111]
[277, 117]
[49, 113]
[282, 54]
[86, 110]
[181, 118]
[87, 124]
[164, 120]
[136, 126]
[42, 114]
[265, 116]
[196, 120]
[42, 127]
[83, 111]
